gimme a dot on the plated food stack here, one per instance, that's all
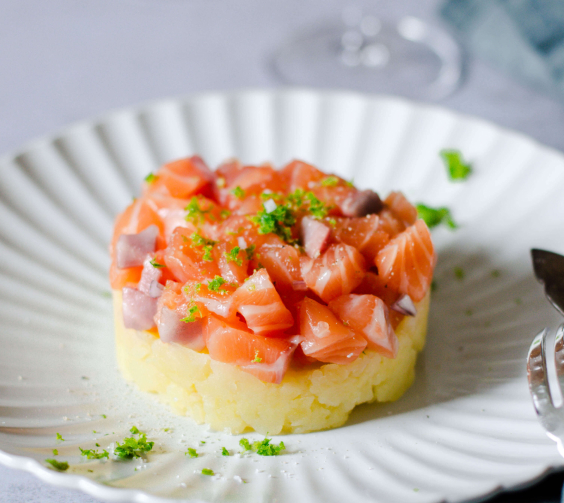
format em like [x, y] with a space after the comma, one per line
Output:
[271, 300]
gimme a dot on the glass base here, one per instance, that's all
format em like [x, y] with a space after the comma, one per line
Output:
[407, 58]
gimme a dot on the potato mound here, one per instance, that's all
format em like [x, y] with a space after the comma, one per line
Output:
[226, 398]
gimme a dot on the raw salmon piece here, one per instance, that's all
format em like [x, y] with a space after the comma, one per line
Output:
[124, 277]
[182, 178]
[389, 223]
[231, 342]
[281, 260]
[245, 181]
[406, 263]
[301, 175]
[186, 259]
[337, 272]
[401, 207]
[218, 300]
[368, 317]
[137, 217]
[325, 337]
[232, 261]
[240, 226]
[363, 233]
[260, 304]
[170, 210]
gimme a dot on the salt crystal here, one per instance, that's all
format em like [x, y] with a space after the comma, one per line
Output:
[270, 206]
[236, 478]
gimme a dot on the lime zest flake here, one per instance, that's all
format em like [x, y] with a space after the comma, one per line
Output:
[58, 465]
[257, 358]
[457, 169]
[93, 454]
[225, 452]
[238, 192]
[150, 178]
[191, 452]
[55, 452]
[59, 437]
[154, 263]
[191, 315]
[194, 212]
[208, 471]
[216, 283]
[232, 256]
[133, 447]
[262, 447]
[330, 181]
[435, 216]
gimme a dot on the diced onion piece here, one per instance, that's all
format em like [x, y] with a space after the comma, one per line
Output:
[173, 329]
[361, 203]
[270, 206]
[149, 275]
[315, 236]
[132, 249]
[404, 305]
[155, 290]
[138, 309]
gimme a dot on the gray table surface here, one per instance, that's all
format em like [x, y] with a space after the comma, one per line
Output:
[67, 60]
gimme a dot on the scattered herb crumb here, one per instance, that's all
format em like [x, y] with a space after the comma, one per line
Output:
[58, 465]
[166, 429]
[207, 471]
[59, 437]
[133, 447]
[457, 169]
[257, 358]
[150, 178]
[92, 454]
[232, 256]
[191, 315]
[104, 416]
[225, 452]
[263, 447]
[459, 273]
[330, 181]
[216, 283]
[202, 442]
[244, 443]
[435, 216]
[55, 452]
[238, 192]
[154, 263]
[191, 452]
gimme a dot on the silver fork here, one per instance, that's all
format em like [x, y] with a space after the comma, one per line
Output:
[549, 270]
[542, 391]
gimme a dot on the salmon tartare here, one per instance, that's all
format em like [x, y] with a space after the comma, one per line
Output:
[275, 300]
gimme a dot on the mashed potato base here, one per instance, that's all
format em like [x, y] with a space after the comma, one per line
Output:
[226, 398]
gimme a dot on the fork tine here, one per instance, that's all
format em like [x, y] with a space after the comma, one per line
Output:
[537, 374]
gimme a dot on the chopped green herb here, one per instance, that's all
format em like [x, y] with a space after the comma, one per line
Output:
[133, 447]
[215, 283]
[94, 431]
[166, 429]
[97, 444]
[225, 452]
[250, 251]
[257, 359]
[232, 256]
[238, 192]
[55, 452]
[58, 465]
[150, 178]
[154, 263]
[224, 214]
[207, 244]
[265, 448]
[202, 442]
[59, 437]
[496, 273]
[134, 430]
[104, 416]
[191, 315]
[244, 443]
[333, 222]
[194, 212]
[191, 452]
[330, 181]
[459, 273]
[252, 287]
[457, 169]
[92, 454]
[207, 471]
[316, 207]
[435, 216]
[279, 221]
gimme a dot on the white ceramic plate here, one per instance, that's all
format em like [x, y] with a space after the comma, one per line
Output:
[465, 429]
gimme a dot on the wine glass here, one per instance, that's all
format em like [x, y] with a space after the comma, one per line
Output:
[366, 52]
